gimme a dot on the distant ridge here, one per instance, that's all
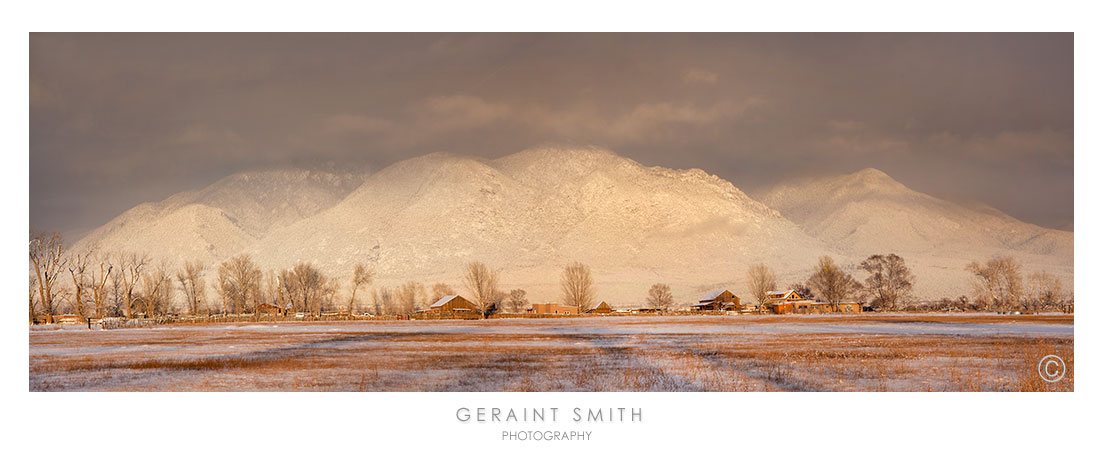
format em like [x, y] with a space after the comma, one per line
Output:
[530, 213]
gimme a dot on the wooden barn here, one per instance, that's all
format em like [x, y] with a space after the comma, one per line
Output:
[268, 308]
[601, 308]
[452, 304]
[722, 300]
[552, 308]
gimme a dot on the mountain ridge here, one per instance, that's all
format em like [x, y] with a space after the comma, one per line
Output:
[532, 212]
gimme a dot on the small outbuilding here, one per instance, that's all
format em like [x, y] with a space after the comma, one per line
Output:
[552, 308]
[268, 308]
[601, 308]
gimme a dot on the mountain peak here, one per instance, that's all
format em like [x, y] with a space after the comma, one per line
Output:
[872, 173]
[560, 155]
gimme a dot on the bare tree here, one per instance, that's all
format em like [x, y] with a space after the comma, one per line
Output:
[327, 297]
[239, 280]
[411, 296]
[660, 297]
[1046, 291]
[78, 271]
[831, 283]
[803, 290]
[439, 291]
[517, 301]
[31, 292]
[382, 300]
[132, 265]
[578, 287]
[890, 281]
[997, 283]
[48, 263]
[272, 291]
[117, 291]
[157, 290]
[361, 276]
[99, 285]
[483, 285]
[192, 283]
[761, 281]
[306, 287]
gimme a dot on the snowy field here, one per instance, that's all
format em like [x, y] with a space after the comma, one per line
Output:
[870, 352]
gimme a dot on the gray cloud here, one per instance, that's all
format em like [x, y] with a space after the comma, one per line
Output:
[118, 119]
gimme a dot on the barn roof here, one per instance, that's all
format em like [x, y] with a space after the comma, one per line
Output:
[442, 301]
[776, 294]
[712, 296]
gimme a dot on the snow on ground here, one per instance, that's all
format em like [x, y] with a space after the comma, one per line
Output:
[867, 352]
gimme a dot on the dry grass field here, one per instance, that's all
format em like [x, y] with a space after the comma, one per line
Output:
[869, 352]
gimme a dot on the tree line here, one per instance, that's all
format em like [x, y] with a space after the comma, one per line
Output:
[97, 284]
[93, 284]
[996, 284]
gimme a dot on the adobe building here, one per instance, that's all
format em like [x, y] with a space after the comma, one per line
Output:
[789, 301]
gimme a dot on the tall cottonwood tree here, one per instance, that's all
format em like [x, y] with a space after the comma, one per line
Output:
[831, 283]
[516, 302]
[239, 283]
[306, 287]
[383, 300]
[78, 272]
[156, 290]
[132, 264]
[116, 290]
[660, 297]
[439, 291]
[890, 281]
[761, 281]
[31, 293]
[577, 285]
[361, 276]
[1045, 291]
[998, 283]
[48, 263]
[411, 296]
[191, 282]
[482, 283]
[99, 285]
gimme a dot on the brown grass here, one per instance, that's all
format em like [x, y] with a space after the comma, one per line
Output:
[347, 358]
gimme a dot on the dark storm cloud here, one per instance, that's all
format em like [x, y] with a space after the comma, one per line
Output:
[121, 119]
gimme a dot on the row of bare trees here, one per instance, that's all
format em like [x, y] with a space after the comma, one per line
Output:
[96, 284]
[93, 283]
[888, 284]
[997, 284]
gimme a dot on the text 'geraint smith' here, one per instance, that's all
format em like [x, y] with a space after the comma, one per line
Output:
[482, 415]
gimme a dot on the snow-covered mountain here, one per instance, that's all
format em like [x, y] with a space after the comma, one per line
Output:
[222, 219]
[868, 212]
[531, 213]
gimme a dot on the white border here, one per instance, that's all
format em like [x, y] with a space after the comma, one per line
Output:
[382, 422]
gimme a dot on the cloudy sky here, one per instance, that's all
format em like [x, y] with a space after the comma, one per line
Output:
[117, 120]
